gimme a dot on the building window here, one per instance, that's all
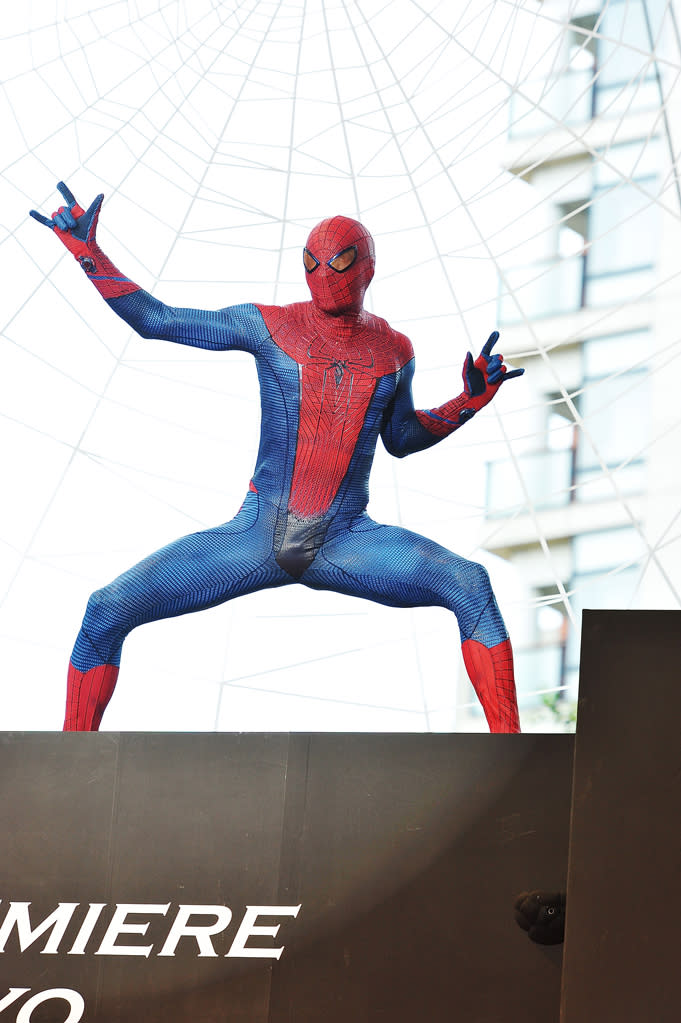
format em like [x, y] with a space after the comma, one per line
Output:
[593, 445]
[565, 97]
[540, 661]
[614, 410]
[623, 228]
[556, 285]
[539, 479]
[625, 81]
[606, 576]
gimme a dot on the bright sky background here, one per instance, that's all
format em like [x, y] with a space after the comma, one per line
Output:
[220, 132]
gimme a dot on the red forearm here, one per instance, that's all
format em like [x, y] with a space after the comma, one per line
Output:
[448, 417]
[82, 244]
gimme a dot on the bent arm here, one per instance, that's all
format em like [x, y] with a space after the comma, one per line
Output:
[407, 430]
[238, 326]
[403, 432]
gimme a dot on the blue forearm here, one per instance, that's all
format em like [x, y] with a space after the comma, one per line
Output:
[403, 434]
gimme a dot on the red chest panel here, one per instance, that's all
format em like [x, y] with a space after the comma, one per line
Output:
[340, 360]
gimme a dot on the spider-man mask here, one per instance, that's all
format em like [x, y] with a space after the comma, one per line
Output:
[339, 264]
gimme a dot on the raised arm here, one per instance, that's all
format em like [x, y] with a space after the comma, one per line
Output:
[235, 327]
[408, 429]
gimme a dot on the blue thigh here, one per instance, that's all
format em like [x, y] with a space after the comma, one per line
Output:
[402, 569]
[196, 572]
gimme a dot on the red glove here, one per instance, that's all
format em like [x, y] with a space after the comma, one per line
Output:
[76, 229]
[481, 381]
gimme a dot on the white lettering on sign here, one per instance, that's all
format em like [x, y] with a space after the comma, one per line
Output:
[86, 928]
[201, 932]
[186, 924]
[12, 995]
[249, 928]
[76, 1003]
[17, 916]
[119, 926]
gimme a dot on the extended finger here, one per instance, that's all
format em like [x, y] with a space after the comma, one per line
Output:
[468, 367]
[95, 204]
[67, 194]
[490, 342]
[41, 219]
[514, 373]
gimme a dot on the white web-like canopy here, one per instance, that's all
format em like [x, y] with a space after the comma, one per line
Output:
[220, 133]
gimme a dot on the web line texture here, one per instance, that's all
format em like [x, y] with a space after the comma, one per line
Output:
[220, 133]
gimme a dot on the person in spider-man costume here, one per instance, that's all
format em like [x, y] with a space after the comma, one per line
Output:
[333, 377]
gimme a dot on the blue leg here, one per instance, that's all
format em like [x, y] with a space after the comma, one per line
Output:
[196, 572]
[395, 567]
[402, 569]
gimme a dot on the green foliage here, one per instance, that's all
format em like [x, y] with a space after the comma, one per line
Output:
[563, 711]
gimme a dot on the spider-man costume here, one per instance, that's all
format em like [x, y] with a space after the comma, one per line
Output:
[332, 378]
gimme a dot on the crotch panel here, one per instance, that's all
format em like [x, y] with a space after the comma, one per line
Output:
[299, 543]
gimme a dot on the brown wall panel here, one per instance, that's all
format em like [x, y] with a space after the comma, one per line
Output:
[404, 852]
[623, 933]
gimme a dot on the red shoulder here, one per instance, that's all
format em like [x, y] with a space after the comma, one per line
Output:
[286, 325]
[393, 348]
[298, 312]
[293, 327]
[271, 314]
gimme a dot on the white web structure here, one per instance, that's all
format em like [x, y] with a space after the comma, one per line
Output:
[220, 131]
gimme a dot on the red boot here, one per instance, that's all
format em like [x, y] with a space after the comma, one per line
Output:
[87, 694]
[491, 672]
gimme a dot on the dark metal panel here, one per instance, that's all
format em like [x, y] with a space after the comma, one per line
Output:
[412, 848]
[150, 819]
[55, 842]
[199, 821]
[623, 929]
[405, 852]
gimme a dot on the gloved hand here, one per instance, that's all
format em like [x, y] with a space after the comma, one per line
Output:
[75, 227]
[482, 379]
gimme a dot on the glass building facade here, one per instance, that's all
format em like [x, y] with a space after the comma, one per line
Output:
[589, 136]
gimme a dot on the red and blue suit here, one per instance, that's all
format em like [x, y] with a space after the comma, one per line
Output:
[333, 378]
